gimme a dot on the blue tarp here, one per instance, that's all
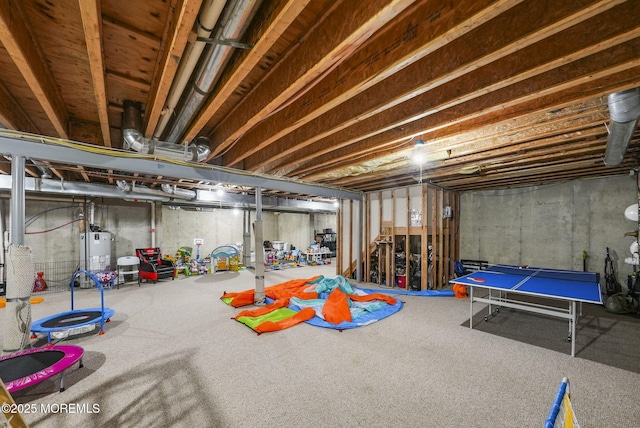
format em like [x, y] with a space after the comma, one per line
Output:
[434, 293]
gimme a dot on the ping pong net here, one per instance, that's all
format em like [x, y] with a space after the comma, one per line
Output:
[564, 275]
[561, 414]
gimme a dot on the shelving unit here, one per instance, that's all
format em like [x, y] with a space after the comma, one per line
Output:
[327, 238]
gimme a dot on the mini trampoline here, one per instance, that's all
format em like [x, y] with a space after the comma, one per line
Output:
[32, 366]
[78, 321]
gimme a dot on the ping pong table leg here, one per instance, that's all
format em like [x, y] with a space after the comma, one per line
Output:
[572, 323]
[470, 307]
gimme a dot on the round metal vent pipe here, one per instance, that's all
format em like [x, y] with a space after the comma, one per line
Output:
[624, 109]
[134, 140]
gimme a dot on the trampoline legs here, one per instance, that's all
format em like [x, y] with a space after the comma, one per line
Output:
[62, 387]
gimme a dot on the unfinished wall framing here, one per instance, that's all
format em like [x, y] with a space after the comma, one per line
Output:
[410, 237]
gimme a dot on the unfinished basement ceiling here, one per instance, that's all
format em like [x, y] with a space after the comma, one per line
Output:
[335, 92]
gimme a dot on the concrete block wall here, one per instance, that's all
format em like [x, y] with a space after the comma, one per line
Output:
[551, 226]
[53, 227]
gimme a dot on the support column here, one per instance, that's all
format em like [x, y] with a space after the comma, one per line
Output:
[246, 238]
[16, 231]
[259, 296]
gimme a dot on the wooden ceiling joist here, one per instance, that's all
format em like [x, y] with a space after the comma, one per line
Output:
[348, 26]
[18, 41]
[92, 24]
[365, 109]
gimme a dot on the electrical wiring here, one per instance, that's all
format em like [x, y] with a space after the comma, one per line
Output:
[53, 228]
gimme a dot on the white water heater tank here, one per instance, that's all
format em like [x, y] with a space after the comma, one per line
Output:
[95, 251]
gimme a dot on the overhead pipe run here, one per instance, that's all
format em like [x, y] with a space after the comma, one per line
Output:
[45, 172]
[181, 193]
[237, 15]
[129, 189]
[14, 143]
[624, 110]
[134, 140]
[209, 14]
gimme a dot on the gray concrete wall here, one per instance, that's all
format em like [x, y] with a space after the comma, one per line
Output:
[551, 226]
[53, 227]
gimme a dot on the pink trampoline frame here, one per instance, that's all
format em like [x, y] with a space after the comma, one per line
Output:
[72, 354]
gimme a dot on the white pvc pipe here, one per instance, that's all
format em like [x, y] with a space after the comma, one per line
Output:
[153, 224]
[207, 19]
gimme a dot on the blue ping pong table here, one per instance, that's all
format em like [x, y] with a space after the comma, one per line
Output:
[509, 281]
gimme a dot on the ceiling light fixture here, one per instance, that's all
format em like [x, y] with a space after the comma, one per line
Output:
[419, 155]
[418, 151]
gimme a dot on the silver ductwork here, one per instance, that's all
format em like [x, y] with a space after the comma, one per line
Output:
[45, 172]
[68, 188]
[206, 22]
[624, 110]
[181, 193]
[134, 140]
[128, 189]
[128, 192]
[235, 19]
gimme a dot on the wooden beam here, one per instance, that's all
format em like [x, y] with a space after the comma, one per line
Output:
[418, 32]
[424, 253]
[615, 69]
[92, 24]
[348, 27]
[341, 237]
[474, 140]
[367, 237]
[17, 39]
[176, 35]
[288, 12]
[442, 84]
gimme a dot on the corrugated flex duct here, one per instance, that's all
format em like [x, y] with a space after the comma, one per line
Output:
[624, 109]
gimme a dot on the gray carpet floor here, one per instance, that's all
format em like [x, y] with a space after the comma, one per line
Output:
[173, 357]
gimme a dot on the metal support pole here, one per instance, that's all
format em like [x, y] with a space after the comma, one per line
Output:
[16, 232]
[259, 296]
[246, 238]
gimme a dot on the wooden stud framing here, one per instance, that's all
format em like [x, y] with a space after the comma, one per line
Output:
[424, 253]
[407, 243]
[435, 230]
[340, 222]
[351, 218]
[367, 238]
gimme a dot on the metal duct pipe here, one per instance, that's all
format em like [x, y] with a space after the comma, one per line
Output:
[237, 15]
[45, 172]
[624, 109]
[176, 191]
[209, 14]
[127, 188]
[134, 140]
